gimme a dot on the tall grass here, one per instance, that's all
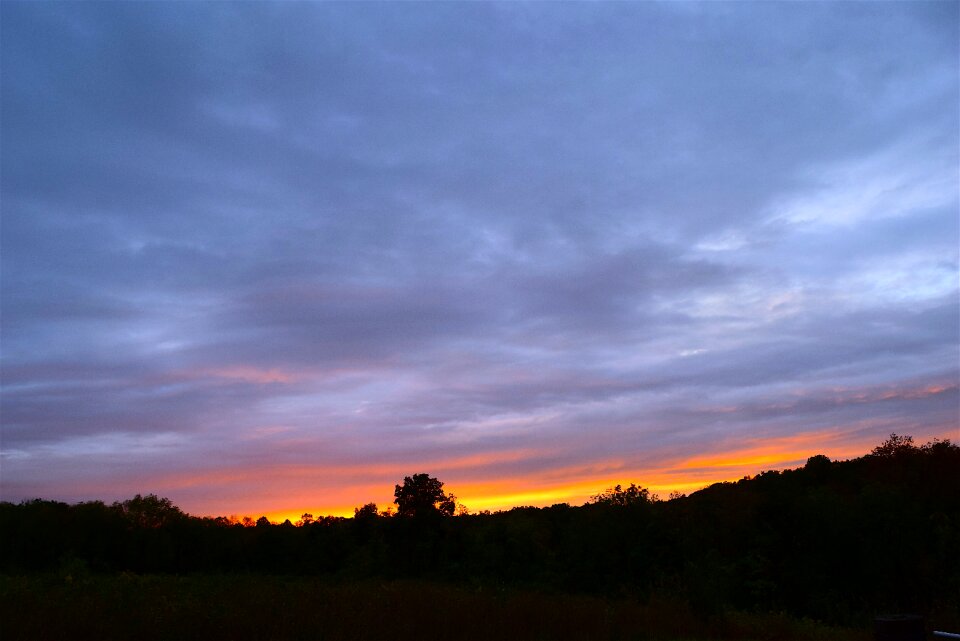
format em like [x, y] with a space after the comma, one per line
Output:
[225, 607]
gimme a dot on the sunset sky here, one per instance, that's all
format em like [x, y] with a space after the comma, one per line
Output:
[270, 258]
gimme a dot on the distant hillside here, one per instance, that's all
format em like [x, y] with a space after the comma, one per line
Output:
[837, 541]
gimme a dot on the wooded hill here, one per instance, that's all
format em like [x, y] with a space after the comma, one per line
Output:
[837, 541]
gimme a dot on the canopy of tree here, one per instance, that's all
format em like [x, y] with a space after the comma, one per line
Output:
[422, 495]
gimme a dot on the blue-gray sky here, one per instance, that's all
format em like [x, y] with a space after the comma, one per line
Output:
[265, 256]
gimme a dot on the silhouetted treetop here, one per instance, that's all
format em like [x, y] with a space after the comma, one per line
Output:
[618, 496]
[422, 495]
[368, 511]
[818, 464]
[894, 445]
[149, 511]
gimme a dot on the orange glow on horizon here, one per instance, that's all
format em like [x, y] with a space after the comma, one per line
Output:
[465, 476]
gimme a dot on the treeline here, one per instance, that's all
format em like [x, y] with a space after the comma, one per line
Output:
[837, 541]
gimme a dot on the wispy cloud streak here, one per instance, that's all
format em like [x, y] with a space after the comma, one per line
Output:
[266, 256]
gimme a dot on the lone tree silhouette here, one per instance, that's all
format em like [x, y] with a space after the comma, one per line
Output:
[422, 495]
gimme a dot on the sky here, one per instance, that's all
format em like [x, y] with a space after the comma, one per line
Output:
[270, 258]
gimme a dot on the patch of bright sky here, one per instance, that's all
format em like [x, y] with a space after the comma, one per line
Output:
[915, 277]
[892, 182]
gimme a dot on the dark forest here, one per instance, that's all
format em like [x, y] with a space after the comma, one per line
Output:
[824, 547]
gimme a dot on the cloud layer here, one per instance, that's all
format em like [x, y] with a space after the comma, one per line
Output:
[262, 256]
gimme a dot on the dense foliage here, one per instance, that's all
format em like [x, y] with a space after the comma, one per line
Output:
[835, 541]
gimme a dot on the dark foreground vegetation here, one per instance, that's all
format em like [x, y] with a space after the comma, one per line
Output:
[784, 555]
[200, 607]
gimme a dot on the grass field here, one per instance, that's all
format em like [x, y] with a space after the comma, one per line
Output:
[169, 608]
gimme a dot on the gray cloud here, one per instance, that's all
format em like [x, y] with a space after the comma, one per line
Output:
[297, 232]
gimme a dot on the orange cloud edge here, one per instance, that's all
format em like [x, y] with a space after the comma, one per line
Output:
[575, 486]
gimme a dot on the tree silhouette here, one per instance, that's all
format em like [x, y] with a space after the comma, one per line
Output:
[367, 511]
[149, 511]
[633, 495]
[422, 495]
[894, 445]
